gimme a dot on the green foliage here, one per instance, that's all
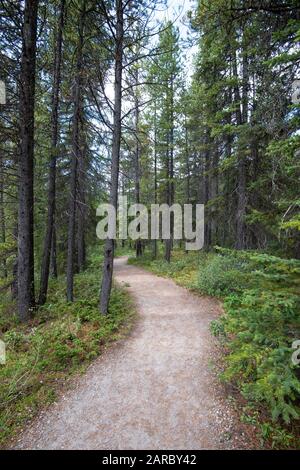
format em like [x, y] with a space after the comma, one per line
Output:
[221, 275]
[279, 437]
[7, 249]
[260, 326]
[217, 328]
[183, 269]
[62, 339]
[260, 323]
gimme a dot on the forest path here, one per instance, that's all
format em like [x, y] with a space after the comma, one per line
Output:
[154, 390]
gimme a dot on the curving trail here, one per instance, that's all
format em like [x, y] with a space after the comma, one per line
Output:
[154, 390]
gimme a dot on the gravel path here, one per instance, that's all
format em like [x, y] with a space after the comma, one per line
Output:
[154, 390]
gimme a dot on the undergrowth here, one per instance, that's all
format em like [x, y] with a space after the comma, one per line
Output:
[61, 339]
[260, 322]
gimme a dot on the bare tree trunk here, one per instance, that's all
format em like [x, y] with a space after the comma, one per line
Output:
[14, 285]
[123, 194]
[26, 299]
[2, 214]
[53, 252]
[240, 242]
[170, 176]
[227, 226]
[81, 212]
[168, 241]
[74, 158]
[155, 174]
[204, 192]
[138, 244]
[187, 163]
[214, 183]
[49, 240]
[207, 195]
[110, 243]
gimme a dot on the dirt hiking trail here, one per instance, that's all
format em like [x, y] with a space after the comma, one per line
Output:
[153, 390]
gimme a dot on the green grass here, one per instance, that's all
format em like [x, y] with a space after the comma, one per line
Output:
[261, 295]
[183, 267]
[61, 339]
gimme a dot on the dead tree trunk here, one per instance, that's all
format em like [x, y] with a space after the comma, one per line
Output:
[49, 239]
[26, 299]
[110, 243]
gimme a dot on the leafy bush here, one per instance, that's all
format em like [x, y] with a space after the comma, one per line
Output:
[222, 275]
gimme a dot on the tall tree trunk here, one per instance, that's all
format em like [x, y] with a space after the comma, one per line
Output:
[138, 244]
[168, 241]
[213, 189]
[54, 252]
[206, 187]
[49, 239]
[155, 174]
[170, 175]
[75, 156]
[187, 163]
[123, 187]
[241, 118]
[226, 232]
[14, 285]
[26, 299]
[110, 243]
[81, 204]
[2, 214]
[240, 242]
[207, 195]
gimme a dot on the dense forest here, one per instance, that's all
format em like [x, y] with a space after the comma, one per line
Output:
[102, 98]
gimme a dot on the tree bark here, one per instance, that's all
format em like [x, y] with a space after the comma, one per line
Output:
[187, 163]
[2, 214]
[168, 241]
[170, 174]
[155, 173]
[207, 188]
[26, 299]
[214, 184]
[14, 285]
[54, 253]
[138, 244]
[49, 240]
[81, 204]
[240, 242]
[110, 243]
[75, 157]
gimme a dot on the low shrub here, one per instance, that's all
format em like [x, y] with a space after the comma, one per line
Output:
[222, 275]
[260, 322]
[61, 339]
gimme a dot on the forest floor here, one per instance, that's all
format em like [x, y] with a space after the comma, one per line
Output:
[156, 389]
